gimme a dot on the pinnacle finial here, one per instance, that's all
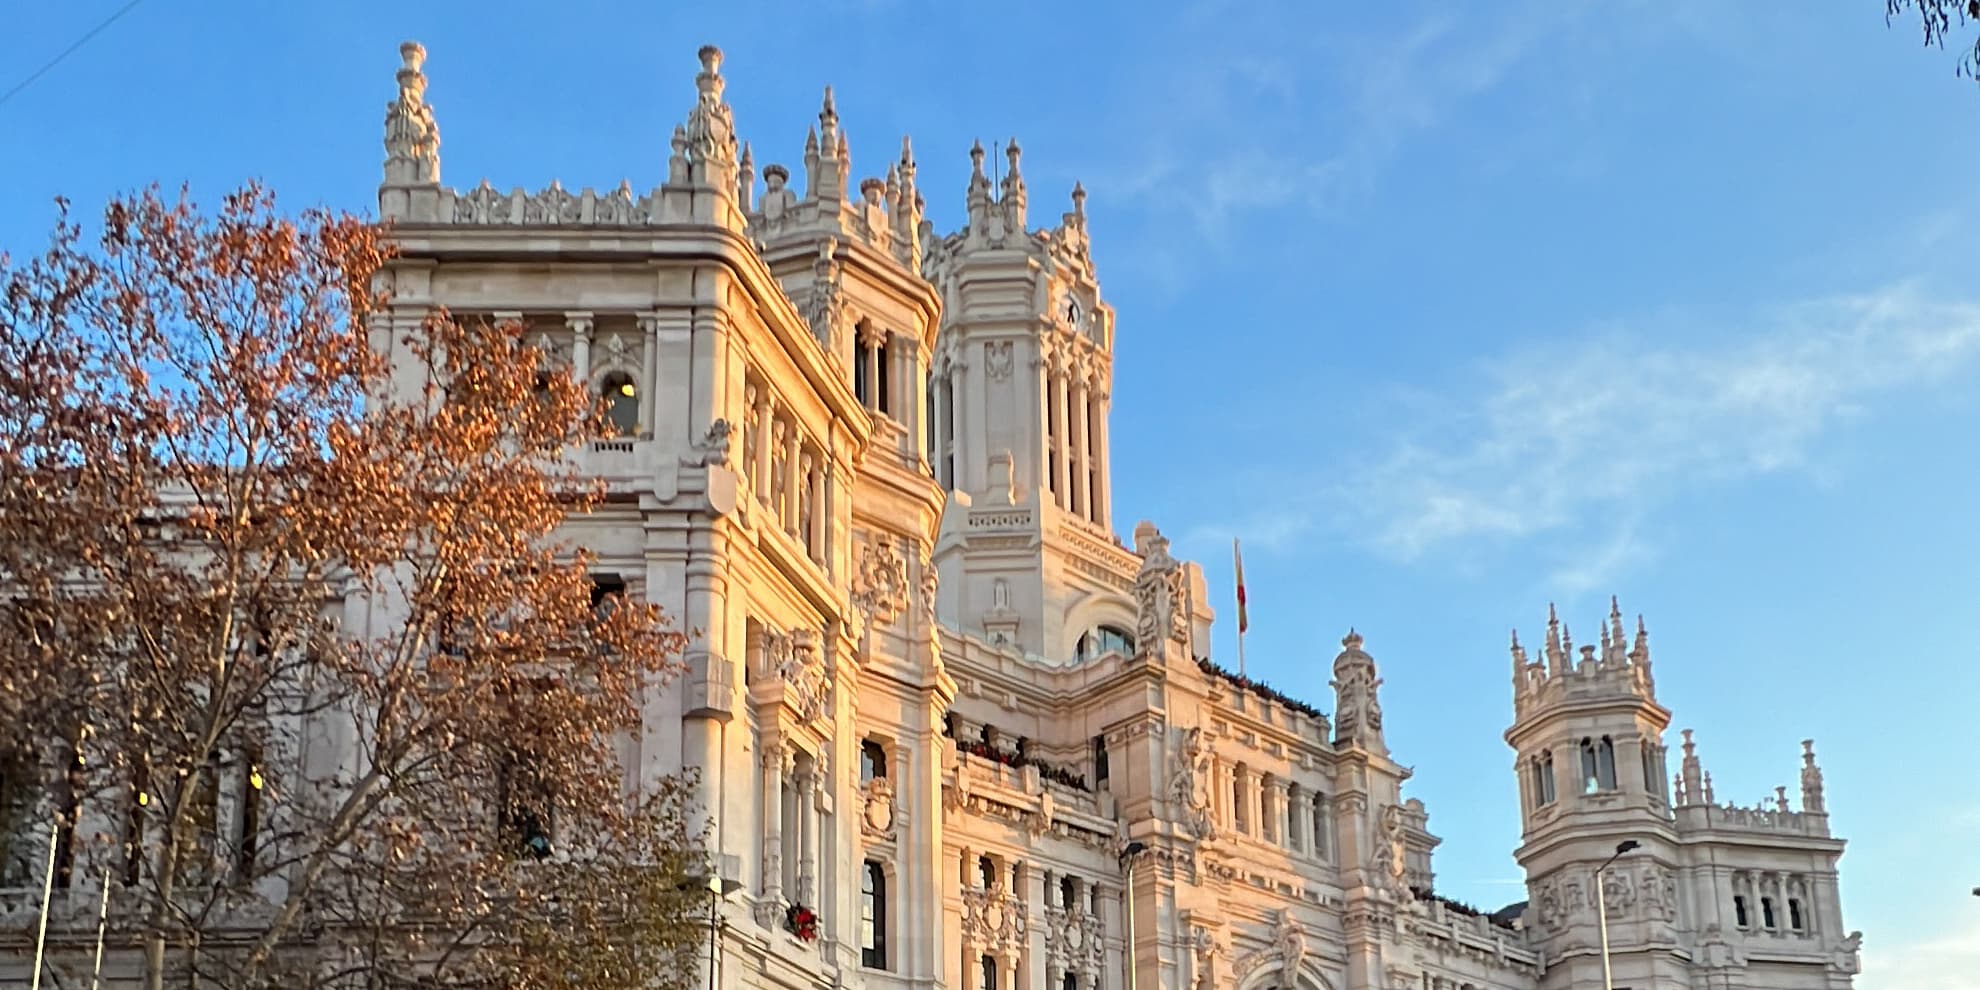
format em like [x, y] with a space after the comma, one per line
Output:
[976, 155]
[412, 137]
[1351, 641]
[1079, 199]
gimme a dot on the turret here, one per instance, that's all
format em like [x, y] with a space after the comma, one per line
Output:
[1024, 328]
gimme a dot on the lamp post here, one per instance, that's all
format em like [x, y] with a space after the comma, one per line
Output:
[1602, 907]
[1128, 853]
[718, 888]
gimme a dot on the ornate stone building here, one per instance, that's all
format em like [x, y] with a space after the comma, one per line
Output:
[937, 702]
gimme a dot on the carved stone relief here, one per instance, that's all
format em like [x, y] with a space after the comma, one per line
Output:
[794, 657]
[997, 360]
[880, 585]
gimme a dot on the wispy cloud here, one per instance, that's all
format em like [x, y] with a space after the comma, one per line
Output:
[1247, 130]
[1590, 437]
[1616, 424]
[1942, 962]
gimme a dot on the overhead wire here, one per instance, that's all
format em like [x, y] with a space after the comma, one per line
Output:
[66, 52]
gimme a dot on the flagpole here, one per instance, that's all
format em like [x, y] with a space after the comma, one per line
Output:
[1237, 563]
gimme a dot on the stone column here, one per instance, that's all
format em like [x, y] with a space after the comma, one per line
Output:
[869, 357]
[707, 696]
[807, 820]
[1101, 495]
[764, 413]
[1253, 791]
[943, 416]
[787, 513]
[815, 539]
[1062, 458]
[649, 397]
[913, 392]
[1077, 454]
[580, 325]
[1297, 816]
[770, 762]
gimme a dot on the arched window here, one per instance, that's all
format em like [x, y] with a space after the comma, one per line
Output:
[1767, 911]
[622, 399]
[1795, 919]
[1105, 640]
[873, 916]
[1543, 780]
[1739, 911]
[1605, 764]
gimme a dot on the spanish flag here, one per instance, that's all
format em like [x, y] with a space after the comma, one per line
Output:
[1244, 621]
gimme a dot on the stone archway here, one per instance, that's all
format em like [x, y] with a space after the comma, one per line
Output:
[1277, 977]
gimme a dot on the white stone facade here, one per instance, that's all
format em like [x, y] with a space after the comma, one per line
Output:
[935, 700]
[938, 702]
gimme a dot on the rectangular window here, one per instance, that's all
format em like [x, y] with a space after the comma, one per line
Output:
[1795, 920]
[872, 760]
[1099, 759]
[989, 974]
[1767, 911]
[607, 590]
[523, 816]
[873, 917]
[1739, 911]
[248, 827]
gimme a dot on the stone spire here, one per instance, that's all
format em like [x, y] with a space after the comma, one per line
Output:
[412, 137]
[1811, 781]
[905, 203]
[1615, 645]
[1357, 702]
[1556, 656]
[1011, 194]
[1518, 663]
[746, 179]
[977, 198]
[1692, 775]
[711, 128]
[826, 160]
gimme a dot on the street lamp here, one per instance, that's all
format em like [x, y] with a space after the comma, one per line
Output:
[1128, 853]
[717, 888]
[1602, 907]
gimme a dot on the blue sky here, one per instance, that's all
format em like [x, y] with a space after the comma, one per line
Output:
[1448, 310]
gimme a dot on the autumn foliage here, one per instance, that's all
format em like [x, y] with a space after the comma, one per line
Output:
[289, 650]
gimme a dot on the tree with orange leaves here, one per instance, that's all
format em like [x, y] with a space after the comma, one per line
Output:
[290, 654]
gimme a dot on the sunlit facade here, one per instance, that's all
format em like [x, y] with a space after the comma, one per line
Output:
[953, 732]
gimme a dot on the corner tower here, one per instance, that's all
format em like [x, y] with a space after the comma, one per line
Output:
[1018, 402]
[1588, 734]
